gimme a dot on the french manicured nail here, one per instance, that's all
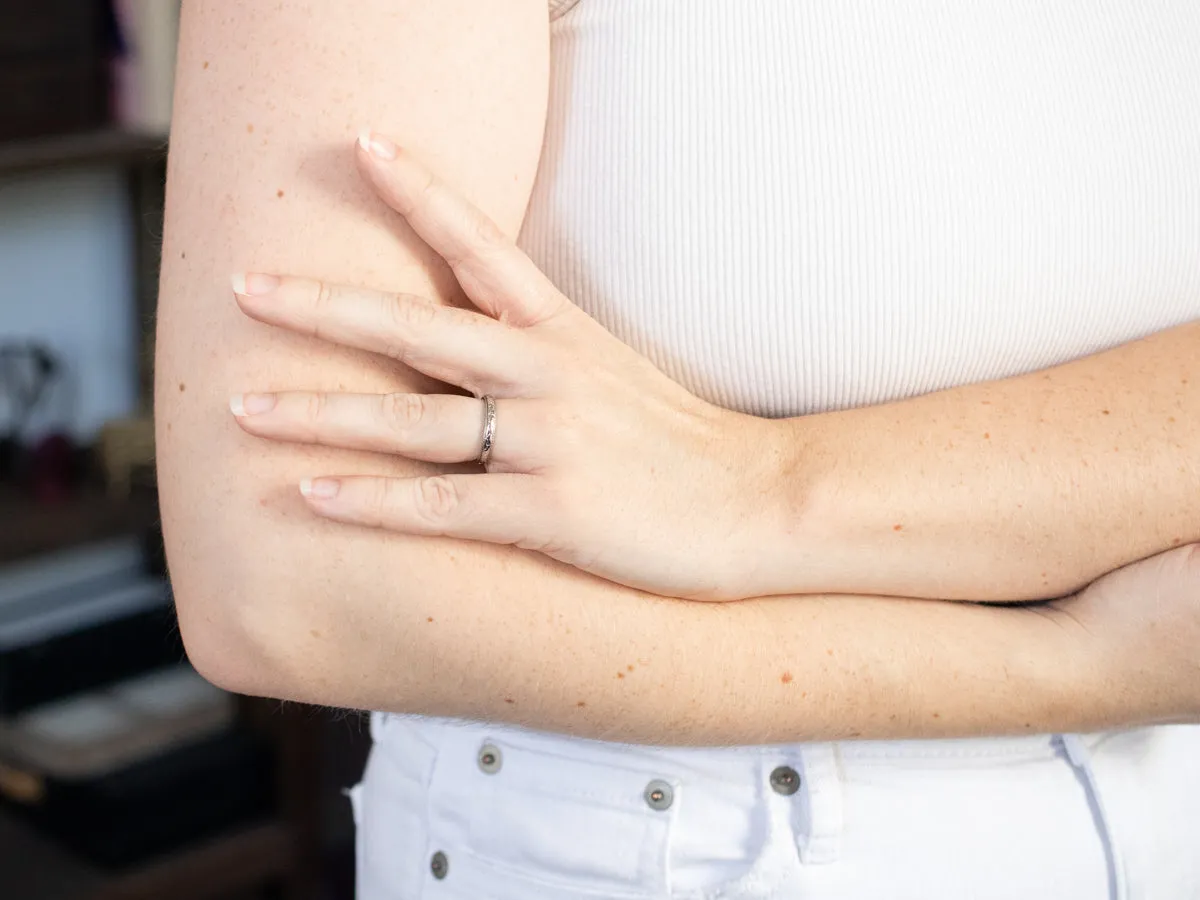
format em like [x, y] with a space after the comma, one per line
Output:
[320, 488]
[253, 284]
[377, 146]
[251, 404]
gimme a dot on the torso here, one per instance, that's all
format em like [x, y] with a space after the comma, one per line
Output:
[801, 206]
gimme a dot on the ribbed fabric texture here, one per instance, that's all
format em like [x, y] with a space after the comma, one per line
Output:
[802, 205]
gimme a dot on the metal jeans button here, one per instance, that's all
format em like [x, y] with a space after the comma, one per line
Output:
[785, 780]
[439, 865]
[490, 759]
[659, 795]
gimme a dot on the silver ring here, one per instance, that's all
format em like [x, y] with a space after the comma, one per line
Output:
[489, 428]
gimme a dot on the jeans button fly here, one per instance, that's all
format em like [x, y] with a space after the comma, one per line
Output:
[659, 795]
[785, 780]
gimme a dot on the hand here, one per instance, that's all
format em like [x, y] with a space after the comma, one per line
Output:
[599, 460]
[1143, 622]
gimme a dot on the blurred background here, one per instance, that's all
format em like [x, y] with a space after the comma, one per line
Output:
[122, 773]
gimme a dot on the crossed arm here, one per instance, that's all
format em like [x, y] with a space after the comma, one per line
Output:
[274, 601]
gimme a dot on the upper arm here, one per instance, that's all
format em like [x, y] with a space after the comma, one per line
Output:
[269, 99]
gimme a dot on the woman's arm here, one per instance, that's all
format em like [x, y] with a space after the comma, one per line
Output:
[273, 600]
[1017, 489]
[270, 97]
[557, 650]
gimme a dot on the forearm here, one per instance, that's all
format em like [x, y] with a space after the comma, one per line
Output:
[514, 638]
[1024, 488]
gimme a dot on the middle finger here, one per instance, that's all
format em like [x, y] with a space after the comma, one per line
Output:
[452, 345]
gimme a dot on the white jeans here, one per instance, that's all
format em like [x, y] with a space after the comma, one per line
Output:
[461, 810]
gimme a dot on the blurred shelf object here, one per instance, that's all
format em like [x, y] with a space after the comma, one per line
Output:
[36, 869]
[103, 147]
[144, 157]
[284, 852]
[28, 528]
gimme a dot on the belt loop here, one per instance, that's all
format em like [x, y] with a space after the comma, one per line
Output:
[1081, 758]
[378, 722]
[820, 843]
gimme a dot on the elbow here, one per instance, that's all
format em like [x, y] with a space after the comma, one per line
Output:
[221, 639]
[216, 647]
[231, 618]
[244, 635]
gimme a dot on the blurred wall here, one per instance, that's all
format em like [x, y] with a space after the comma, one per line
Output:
[66, 278]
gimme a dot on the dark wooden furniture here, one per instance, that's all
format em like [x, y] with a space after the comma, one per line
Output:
[104, 146]
[285, 852]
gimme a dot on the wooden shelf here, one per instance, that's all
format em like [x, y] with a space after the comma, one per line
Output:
[28, 528]
[107, 146]
[35, 868]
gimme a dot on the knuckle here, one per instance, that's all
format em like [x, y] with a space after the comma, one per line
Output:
[322, 310]
[412, 310]
[323, 299]
[487, 238]
[408, 310]
[479, 241]
[422, 194]
[379, 500]
[403, 411]
[315, 405]
[404, 315]
[437, 498]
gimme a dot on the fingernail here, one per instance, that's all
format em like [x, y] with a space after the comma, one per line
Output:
[378, 146]
[252, 284]
[251, 404]
[320, 488]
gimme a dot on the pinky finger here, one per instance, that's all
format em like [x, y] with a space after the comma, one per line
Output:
[496, 508]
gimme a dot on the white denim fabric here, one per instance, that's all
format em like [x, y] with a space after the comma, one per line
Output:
[1095, 817]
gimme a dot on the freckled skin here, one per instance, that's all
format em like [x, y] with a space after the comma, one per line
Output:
[333, 228]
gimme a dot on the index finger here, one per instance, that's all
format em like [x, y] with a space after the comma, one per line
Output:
[500, 279]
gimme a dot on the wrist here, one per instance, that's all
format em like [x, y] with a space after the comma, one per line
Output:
[788, 495]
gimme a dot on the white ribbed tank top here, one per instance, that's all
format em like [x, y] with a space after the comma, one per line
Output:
[800, 205]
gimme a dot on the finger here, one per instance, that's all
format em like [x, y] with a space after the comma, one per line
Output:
[494, 273]
[439, 428]
[456, 346]
[496, 508]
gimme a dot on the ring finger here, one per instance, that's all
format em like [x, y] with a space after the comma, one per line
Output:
[439, 428]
